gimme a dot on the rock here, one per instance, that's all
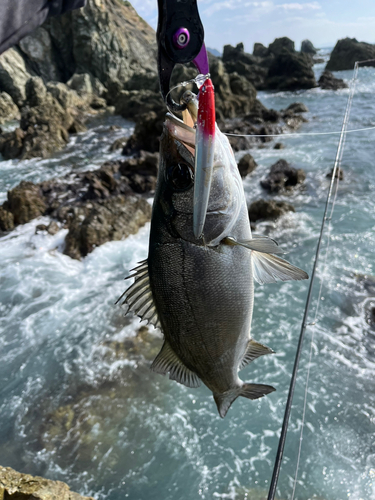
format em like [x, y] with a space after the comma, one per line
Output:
[141, 172]
[119, 143]
[21, 486]
[53, 228]
[6, 219]
[246, 165]
[290, 71]
[278, 46]
[67, 97]
[328, 81]
[43, 128]
[111, 42]
[13, 75]
[260, 50]
[347, 51]
[339, 174]
[279, 145]
[308, 48]
[147, 132]
[282, 177]
[296, 107]
[25, 202]
[110, 220]
[81, 83]
[8, 110]
[133, 104]
[268, 209]
[35, 91]
[137, 81]
[39, 54]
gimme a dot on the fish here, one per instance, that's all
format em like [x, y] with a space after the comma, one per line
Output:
[200, 290]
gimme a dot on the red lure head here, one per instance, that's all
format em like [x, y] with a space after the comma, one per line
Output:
[206, 108]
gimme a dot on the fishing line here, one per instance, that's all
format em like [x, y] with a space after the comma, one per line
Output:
[300, 134]
[335, 178]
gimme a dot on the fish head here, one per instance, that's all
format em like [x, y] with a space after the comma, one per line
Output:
[174, 196]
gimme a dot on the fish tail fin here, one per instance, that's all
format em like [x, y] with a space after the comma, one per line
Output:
[250, 391]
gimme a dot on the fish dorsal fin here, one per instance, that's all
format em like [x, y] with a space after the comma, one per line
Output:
[269, 268]
[138, 297]
[254, 350]
[168, 361]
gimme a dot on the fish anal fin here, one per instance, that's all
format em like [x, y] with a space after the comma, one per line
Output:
[250, 391]
[167, 361]
[254, 350]
[270, 268]
[138, 297]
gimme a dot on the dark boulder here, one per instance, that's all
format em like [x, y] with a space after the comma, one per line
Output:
[35, 91]
[347, 51]
[6, 218]
[339, 174]
[268, 209]
[278, 46]
[290, 71]
[308, 48]
[282, 177]
[147, 132]
[246, 165]
[329, 82]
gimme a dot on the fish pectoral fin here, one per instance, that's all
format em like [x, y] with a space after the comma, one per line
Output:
[250, 391]
[168, 361]
[254, 350]
[138, 297]
[259, 243]
[270, 268]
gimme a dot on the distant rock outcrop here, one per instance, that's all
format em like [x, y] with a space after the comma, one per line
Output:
[308, 48]
[282, 177]
[347, 51]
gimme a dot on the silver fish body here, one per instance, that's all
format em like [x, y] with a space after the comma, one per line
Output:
[201, 291]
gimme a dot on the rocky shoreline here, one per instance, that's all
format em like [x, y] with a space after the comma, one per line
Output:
[21, 486]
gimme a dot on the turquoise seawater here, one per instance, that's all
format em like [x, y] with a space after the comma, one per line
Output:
[74, 407]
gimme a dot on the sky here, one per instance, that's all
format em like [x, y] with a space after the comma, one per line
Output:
[234, 21]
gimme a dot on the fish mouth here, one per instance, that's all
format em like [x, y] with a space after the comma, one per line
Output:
[180, 131]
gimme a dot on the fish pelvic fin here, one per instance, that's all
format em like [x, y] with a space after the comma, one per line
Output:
[168, 361]
[250, 391]
[254, 350]
[138, 297]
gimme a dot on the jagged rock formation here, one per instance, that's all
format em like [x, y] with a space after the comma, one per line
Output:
[347, 51]
[282, 177]
[268, 209]
[18, 486]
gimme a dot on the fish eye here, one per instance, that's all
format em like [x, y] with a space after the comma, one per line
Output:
[180, 176]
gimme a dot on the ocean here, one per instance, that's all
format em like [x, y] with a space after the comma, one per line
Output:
[78, 402]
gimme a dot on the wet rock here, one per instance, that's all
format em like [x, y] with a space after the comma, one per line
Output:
[339, 174]
[268, 209]
[81, 83]
[52, 228]
[8, 109]
[143, 344]
[109, 220]
[279, 45]
[292, 115]
[279, 145]
[25, 202]
[347, 51]
[6, 219]
[290, 71]
[328, 81]
[35, 91]
[308, 48]
[246, 165]
[13, 75]
[135, 103]
[19, 486]
[282, 177]
[296, 107]
[11, 144]
[119, 143]
[149, 81]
